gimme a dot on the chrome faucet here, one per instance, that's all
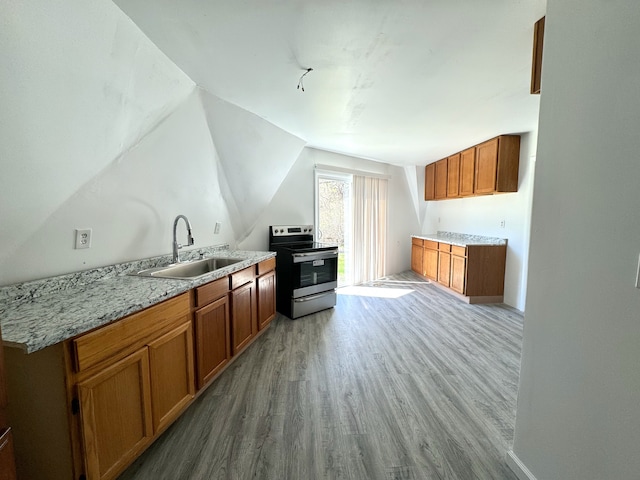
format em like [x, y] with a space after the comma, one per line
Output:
[176, 245]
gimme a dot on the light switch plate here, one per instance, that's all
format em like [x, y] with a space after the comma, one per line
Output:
[638, 274]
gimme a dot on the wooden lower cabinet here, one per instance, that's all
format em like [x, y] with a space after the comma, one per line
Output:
[243, 316]
[444, 268]
[266, 285]
[430, 263]
[85, 408]
[475, 272]
[116, 415]
[7, 459]
[458, 273]
[416, 257]
[213, 339]
[172, 374]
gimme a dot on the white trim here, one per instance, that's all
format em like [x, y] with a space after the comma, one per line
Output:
[330, 168]
[517, 467]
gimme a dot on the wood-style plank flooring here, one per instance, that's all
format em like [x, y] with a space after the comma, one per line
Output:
[421, 386]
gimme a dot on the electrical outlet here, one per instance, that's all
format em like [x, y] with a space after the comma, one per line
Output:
[502, 223]
[216, 229]
[83, 238]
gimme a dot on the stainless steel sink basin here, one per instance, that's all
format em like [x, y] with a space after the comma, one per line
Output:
[189, 270]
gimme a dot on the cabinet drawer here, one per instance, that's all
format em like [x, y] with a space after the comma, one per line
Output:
[266, 266]
[444, 247]
[417, 241]
[120, 337]
[211, 291]
[459, 251]
[245, 275]
[431, 245]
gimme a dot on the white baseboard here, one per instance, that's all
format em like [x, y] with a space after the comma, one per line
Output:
[519, 468]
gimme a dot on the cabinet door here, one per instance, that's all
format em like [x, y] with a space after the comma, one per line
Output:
[536, 67]
[458, 273]
[430, 264]
[416, 258]
[115, 415]
[243, 316]
[441, 179]
[486, 166]
[172, 375]
[7, 458]
[430, 182]
[444, 268]
[467, 171]
[453, 176]
[213, 339]
[266, 299]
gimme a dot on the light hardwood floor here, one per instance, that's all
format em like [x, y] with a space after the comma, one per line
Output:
[417, 387]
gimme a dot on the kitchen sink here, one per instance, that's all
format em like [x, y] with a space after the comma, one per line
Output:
[188, 270]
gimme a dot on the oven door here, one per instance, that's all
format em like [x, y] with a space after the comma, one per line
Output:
[314, 272]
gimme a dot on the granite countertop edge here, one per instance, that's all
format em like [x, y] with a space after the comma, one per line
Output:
[41, 313]
[461, 239]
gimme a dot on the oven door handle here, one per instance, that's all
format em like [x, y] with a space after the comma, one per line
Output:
[309, 257]
[313, 297]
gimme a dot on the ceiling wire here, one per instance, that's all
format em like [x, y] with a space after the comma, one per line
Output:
[301, 82]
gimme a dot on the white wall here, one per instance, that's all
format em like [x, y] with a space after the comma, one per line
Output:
[80, 85]
[101, 130]
[577, 414]
[482, 216]
[255, 157]
[294, 203]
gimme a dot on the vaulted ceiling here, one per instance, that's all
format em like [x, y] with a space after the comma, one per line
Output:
[401, 81]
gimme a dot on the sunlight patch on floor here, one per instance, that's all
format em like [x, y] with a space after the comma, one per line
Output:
[364, 291]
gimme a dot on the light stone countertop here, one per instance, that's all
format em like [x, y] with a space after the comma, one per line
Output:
[461, 239]
[37, 314]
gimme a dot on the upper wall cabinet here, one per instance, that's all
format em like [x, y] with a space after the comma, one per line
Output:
[497, 165]
[430, 182]
[467, 172]
[536, 68]
[490, 167]
[453, 176]
[441, 179]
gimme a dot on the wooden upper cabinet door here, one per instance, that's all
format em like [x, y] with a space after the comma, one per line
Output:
[441, 179]
[467, 171]
[430, 182]
[213, 339]
[172, 374]
[536, 67]
[486, 166]
[115, 415]
[453, 176]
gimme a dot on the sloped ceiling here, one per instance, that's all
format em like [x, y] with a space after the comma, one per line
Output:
[404, 82]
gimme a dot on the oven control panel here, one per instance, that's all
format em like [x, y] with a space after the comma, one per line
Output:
[285, 230]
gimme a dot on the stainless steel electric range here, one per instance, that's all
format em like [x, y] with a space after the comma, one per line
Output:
[306, 271]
